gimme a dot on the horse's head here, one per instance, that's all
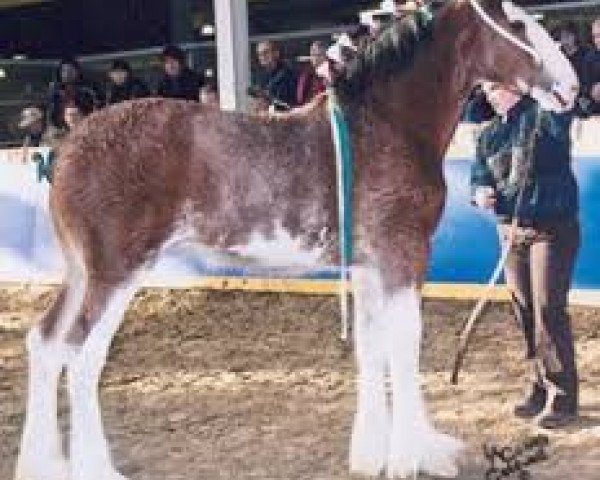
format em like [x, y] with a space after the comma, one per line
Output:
[514, 49]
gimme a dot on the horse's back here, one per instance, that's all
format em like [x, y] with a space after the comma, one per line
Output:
[128, 175]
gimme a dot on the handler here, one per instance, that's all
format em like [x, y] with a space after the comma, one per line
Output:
[539, 267]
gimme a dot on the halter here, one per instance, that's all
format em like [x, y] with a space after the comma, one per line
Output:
[489, 21]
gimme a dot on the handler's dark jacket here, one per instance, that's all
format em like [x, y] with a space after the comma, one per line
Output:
[550, 191]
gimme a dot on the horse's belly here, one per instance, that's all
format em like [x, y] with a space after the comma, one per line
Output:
[280, 249]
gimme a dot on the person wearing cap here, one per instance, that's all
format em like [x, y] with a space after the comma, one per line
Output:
[32, 124]
[523, 168]
[122, 85]
[178, 80]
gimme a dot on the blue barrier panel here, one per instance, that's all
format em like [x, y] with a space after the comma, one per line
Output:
[465, 247]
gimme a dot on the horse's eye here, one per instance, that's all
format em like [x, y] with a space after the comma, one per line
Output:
[517, 26]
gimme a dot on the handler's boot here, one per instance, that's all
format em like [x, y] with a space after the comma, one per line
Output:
[564, 407]
[560, 416]
[534, 404]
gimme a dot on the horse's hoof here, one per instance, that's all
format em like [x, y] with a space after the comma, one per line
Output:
[369, 446]
[109, 474]
[40, 469]
[434, 455]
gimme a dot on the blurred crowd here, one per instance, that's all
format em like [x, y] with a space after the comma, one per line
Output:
[278, 84]
[72, 96]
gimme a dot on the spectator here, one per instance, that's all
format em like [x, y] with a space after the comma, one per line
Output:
[208, 96]
[33, 126]
[567, 35]
[178, 81]
[542, 255]
[72, 115]
[309, 83]
[122, 85]
[274, 81]
[589, 103]
[70, 88]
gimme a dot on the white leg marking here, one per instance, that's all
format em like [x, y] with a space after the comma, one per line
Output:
[90, 454]
[372, 423]
[415, 445]
[40, 455]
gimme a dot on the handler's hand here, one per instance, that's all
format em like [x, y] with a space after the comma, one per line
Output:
[485, 197]
[596, 92]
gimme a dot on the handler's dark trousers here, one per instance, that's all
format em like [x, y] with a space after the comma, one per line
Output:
[538, 273]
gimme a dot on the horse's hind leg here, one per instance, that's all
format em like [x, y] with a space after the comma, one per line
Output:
[414, 444]
[40, 455]
[106, 302]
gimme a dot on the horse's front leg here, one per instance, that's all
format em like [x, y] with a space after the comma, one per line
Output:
[415, 445]
[392, 431]
[372, 423]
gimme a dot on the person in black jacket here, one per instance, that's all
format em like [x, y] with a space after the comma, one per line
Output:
[274, 81]
[178, 81]
[70, 87]
[525, 150]
[589, 102]
[122, 85]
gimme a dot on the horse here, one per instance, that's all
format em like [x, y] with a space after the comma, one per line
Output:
[133, 179]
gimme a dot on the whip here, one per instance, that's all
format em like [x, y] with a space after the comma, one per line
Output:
[468, 327]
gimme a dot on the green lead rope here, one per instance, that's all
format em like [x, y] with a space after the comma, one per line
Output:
[344, 168]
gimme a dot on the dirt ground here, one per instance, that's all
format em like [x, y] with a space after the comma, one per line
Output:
[234, 386]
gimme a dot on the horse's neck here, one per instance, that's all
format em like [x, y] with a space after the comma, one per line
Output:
[424, 105]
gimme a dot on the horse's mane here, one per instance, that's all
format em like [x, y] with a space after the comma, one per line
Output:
[391, 53]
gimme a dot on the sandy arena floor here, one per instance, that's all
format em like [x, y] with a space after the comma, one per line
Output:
[235, 386]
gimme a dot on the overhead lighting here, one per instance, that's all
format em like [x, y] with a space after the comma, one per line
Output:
[19, 56]
[208, 30]
[19, 3]
[2, 74]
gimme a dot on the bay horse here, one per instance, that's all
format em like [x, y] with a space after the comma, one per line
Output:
[135, 178]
